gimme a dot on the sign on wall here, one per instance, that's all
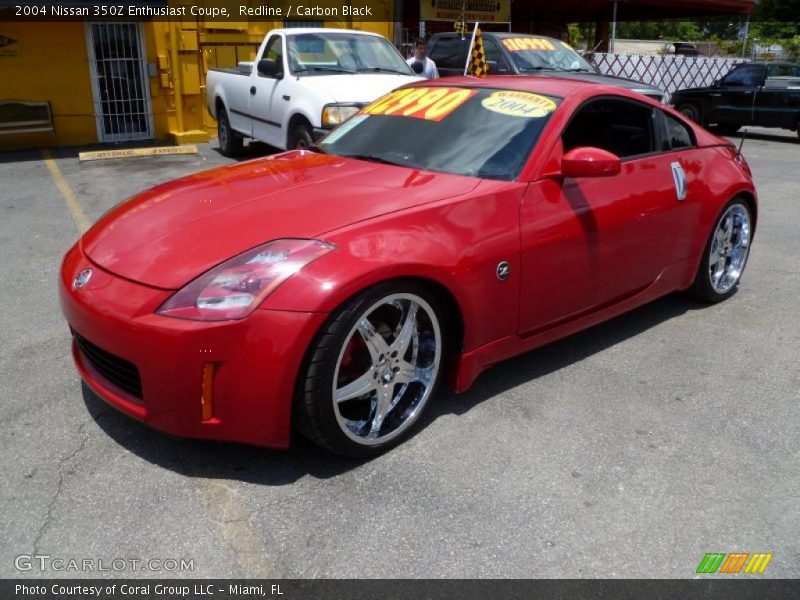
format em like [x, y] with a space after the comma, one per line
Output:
[8, 46]
[485, 11]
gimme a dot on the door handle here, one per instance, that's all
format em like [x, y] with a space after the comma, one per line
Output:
[252, 90]
[287, 98]
[715, 95]
[679, 177]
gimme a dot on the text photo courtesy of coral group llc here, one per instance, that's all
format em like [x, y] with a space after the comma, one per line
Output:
[373, 298]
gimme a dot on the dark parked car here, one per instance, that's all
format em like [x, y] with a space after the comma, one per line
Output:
[525, 54]
[766, 94]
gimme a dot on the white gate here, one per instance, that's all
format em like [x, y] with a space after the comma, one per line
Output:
[118, 67]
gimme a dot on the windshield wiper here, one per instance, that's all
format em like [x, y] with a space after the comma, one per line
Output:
[329, 69]
[382, 70]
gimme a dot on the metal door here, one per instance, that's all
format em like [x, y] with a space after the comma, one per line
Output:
[118, 66]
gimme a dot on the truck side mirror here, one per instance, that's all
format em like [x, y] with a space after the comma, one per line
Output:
[269, 68]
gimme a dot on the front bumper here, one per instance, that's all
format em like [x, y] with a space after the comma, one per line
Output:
[256, 359]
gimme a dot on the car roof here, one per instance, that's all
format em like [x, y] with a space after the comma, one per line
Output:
[495, 34]
[548, 85]
[770, 62]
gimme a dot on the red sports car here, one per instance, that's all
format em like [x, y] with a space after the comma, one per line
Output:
[445, 227]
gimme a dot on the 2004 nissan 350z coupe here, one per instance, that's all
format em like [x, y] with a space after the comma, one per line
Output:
[445, 227]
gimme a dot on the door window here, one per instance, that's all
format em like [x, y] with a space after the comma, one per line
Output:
[450, 52]
[274, 50]
[622, 127]
[748, 76]
[494, 55]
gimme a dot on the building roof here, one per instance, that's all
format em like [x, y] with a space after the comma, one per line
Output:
[629, 10]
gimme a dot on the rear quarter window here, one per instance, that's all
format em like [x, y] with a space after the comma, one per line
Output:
[678, 135]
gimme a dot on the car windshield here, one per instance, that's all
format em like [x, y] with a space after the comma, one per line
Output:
[531, 53]
[340, 52]
[485, 133]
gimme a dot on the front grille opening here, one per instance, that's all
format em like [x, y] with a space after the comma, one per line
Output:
[120, 372]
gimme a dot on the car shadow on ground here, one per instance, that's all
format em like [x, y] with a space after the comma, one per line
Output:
[252, 149]
[214, 460]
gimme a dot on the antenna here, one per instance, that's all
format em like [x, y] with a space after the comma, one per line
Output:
[741, 143]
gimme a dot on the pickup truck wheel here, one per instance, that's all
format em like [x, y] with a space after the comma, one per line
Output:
[691, 111]
[230, 142]
[300, 137]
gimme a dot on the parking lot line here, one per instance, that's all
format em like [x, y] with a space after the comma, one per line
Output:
[74, 207]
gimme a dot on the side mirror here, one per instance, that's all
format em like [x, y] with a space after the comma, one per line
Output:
[269, 68]
[590, 162]
[418, 67]
[718, 83]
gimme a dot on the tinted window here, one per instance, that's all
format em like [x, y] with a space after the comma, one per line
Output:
[749, 76]
[783, 71]
[678, 134]
[475, 132]
[620, 127]
[493, 54]
[450, 52]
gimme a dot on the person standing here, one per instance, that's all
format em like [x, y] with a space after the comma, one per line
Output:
[429, 70]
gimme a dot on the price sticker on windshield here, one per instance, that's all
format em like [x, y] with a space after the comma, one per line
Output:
[519, 104]
[528, 43]
[429, 103]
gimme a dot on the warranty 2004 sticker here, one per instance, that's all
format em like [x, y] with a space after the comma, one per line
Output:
[519, 104]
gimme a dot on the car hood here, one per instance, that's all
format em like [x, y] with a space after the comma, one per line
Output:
[358, 88]
[629, 84]
[170, 234]
[690, 91]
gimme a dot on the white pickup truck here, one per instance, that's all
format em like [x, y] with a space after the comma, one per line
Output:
[304, 83]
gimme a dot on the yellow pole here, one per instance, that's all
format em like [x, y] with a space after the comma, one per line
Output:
[176, 80]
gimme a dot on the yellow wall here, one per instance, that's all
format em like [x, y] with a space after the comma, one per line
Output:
[51, 64]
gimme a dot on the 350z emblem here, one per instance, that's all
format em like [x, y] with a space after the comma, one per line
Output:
[82, 278]
[503, 270]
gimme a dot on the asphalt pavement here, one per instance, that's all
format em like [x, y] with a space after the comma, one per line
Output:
[629, 450]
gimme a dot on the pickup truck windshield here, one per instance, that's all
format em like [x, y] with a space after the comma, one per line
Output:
[485, 133]
[536, 54]
[326, 53]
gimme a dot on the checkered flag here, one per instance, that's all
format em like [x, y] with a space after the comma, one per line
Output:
[476, 62]
[460, 26]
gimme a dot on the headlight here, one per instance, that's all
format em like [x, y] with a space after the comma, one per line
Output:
[336, 114]
[235, 288]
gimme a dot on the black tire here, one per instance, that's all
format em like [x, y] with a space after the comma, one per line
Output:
[300, 137]
[702, 287]
[691, 111]
[315, 408]
[230, 142]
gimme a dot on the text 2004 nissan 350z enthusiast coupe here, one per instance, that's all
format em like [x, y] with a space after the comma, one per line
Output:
[445, 227]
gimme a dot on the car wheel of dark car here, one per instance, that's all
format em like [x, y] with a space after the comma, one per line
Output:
[726, 253]
[691, 111]
[230, 142]
[300, 137]
[372, 370]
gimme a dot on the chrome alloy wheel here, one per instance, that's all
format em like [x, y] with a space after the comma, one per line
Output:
[729, 248]
[387, 369]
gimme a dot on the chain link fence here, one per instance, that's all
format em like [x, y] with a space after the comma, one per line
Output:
[669, 73]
